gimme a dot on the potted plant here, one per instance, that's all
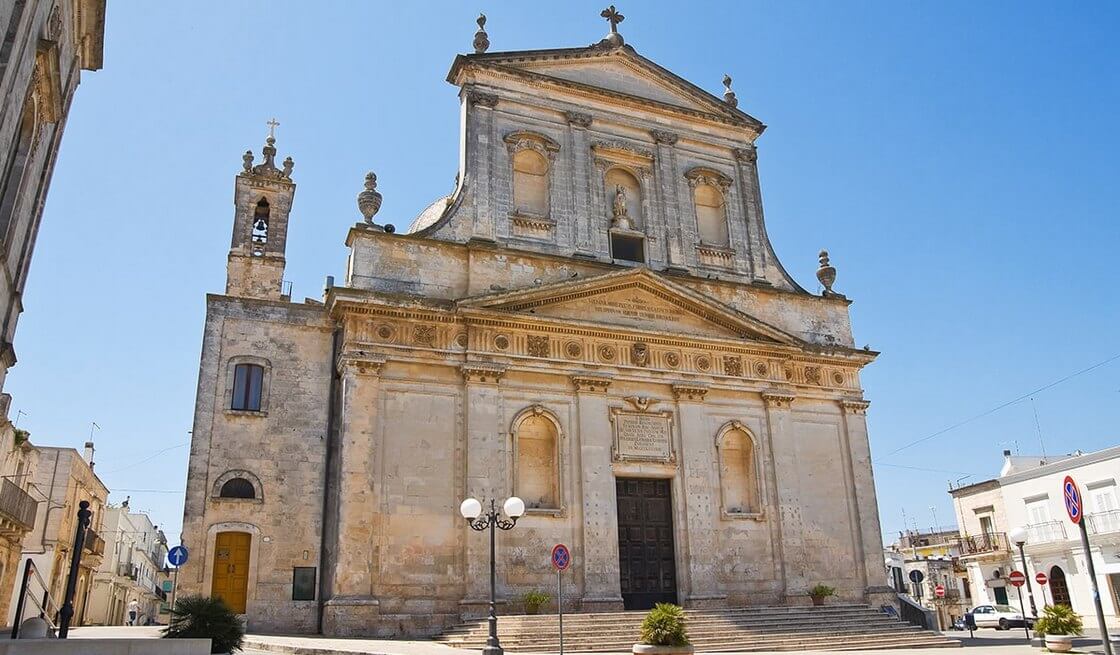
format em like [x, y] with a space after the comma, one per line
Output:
[820, 592]
[1059, 624]
[202, 617]
[534, 601]
[663, 632]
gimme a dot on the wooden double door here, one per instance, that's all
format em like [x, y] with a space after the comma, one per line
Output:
[646, 558]
[231, 569]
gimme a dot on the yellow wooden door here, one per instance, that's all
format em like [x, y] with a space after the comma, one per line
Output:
[231, 569]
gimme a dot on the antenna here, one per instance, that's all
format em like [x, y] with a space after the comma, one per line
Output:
[1038, 428]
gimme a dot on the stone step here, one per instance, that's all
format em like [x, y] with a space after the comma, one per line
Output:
[693, 629]
[505, 626]
[694, 635]
[527, 621]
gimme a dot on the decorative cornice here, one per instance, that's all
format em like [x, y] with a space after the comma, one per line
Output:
[747, 154]
[481, 98]
[661, 136]
[778, 399]
[703, 175]
[522, 139]
[578, 119]
[483, 372]
[686, 391]
[362, 361]
[855, 406]
[592, 383]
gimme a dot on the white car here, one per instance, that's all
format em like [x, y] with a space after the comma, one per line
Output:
[1000, 617]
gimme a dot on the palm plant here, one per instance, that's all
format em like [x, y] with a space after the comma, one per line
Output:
[664, 626]
[202, 617]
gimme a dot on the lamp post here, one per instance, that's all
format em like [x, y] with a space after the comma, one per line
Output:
[1019, 537]
[471, 510]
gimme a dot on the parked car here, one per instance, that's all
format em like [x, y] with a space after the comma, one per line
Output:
[1000, 617]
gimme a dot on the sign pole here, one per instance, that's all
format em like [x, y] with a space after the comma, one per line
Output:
[174, 588]
[560, 606]
[1026, 630]
[1093, 582]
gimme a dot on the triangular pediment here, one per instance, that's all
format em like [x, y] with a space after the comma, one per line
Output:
[638, 299]
[619, 75]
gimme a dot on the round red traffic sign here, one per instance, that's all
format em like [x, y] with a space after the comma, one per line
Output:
[1041, 578]
[939, 591]
[1072, 496]
[561, 557]
[1017, 578]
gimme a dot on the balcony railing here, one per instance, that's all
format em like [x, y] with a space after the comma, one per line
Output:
[1045, 533]
[983, 544]
[94, 544]
[1104, 522]
[17, 509]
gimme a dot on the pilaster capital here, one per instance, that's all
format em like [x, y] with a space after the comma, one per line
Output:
[591, 383]
[487, 372]
[690, 391]
[578, 118]
[360, 362]
[748, 154]
[855, 406]
[661, 136]
[778, 399]
[481, 98]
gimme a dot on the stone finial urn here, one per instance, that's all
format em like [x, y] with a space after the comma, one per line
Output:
[369, 200]
[826, 273]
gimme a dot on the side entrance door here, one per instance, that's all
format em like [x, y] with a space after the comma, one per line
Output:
[231, 569]
[646, 561]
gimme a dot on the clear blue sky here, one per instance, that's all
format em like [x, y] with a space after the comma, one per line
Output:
[958, 159]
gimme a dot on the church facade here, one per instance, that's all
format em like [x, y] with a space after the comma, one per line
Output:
[594, 321]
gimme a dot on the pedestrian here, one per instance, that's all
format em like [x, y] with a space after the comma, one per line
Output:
[133, 611]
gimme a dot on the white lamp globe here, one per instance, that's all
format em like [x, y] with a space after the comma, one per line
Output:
[514, 507]
[470, 509]
[1018, 535]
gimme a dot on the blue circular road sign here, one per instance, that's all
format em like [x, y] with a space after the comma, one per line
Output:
[561, 557]
[177, 556]
[1072, 496]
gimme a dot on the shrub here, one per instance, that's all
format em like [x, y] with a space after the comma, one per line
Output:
[1058, 620]
[664, 626]
[201, 617]
[822, 591]
[534, 601]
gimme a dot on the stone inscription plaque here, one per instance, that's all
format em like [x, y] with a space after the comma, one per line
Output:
[643, 436]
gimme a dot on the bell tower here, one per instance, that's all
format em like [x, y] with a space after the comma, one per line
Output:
[262, 200]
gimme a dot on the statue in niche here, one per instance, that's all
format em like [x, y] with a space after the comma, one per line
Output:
[620, 219]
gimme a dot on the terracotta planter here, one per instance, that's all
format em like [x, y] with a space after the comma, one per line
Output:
[818, 600]
[646, 649]
[1059, 643]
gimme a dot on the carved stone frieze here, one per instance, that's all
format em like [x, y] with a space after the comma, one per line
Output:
[486, 372]
[761, 369]
[733, 365]
[361, 362]
[573, 349]
[704, 363]
[481, 98]
[778, 399]
[424, 335]
[578, 119]
[672, 359]
[639, 353]
[538, 345]
[704, 175]
[855, 406]
[684, 391]
[525, 140]
[813, 375]
[607, 352]
[747, 154]
[592, 383]
[661, 136]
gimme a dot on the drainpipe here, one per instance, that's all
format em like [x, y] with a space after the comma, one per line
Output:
[336, 340]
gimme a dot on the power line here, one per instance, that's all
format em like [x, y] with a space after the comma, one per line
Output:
[151, 491]
[146, 459]
[1006, 404]
[919, 468]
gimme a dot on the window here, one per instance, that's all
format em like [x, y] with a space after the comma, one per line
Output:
[248, 380]
[986, 525]
[628, 247]
[711, 215]
[14, 168]
[238, 488]
[303, 583]
[530, 183]
[536, 449]
[738, 467]
[260, 226]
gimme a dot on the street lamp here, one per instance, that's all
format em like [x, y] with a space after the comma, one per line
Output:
[471, 510]
[1019, 537]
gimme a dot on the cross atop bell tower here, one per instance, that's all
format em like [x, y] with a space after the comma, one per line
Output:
[262, 200]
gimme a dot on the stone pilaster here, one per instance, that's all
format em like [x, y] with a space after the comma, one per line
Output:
[700, 499]
[750, 196]
[869, 553]
[601, 583]
[580, 178]
[483, 146]
[667, 198]
[486, 470]
[353, 604]
[784, 471]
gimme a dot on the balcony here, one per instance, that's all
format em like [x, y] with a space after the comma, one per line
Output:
[126, 570]
[93, 544]
[991, 543]
[1046, 533]
[1104, 522]
[17, 510]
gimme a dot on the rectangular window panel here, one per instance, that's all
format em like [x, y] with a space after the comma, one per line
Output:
[303, 583]
[240, 382]
[256, 376]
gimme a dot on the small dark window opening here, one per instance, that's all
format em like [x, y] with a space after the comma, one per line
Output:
[247, 381]
[303, 583]
[627, 247]
[238, 488]
[260, 226]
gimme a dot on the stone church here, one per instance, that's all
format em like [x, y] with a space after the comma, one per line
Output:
[594, 321]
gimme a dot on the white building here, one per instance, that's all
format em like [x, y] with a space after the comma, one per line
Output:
[135, 553]
[1028, 494]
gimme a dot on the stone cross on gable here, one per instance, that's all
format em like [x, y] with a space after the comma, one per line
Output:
[272, 125]
[613, 17]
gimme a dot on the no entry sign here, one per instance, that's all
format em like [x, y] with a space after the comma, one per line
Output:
[561, 557]
[939, 591]
[1072, 496]
[1041, 578]
[1017, 578]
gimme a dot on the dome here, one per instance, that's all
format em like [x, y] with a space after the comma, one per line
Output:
[429, 216]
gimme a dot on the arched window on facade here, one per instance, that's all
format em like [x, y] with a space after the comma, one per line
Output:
[248, 383]
[260, 226]
[738, 468]
[14, 168]
[238, 488]
[536, 436]
[711, 215]
[530, 183]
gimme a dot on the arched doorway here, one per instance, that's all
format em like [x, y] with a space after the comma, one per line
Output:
[231, 569]
[1059, 591]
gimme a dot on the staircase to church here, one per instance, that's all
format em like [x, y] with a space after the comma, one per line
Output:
[832, 627]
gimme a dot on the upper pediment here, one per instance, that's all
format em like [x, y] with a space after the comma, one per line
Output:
[636, 298]
[613, 71]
